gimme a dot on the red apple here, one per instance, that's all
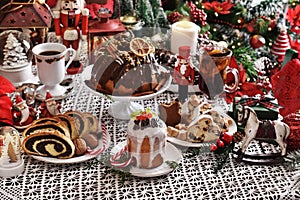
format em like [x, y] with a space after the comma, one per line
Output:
[257, 41]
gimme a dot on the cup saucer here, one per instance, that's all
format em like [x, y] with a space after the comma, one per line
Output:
[61, 92]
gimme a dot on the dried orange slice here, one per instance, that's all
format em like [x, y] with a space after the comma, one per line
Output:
[140, 47]
[215, 51]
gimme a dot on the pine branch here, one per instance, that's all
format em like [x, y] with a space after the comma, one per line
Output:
[246, 56]
[195, 151]
[222, 155]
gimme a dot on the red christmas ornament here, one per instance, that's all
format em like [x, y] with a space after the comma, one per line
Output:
[281, 44]
[257, 41]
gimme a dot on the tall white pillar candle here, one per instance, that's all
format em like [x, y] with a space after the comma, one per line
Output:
[184, 33]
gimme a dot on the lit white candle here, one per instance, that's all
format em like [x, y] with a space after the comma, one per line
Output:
[184, 33]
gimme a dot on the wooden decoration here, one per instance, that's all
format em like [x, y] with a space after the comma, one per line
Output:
[267, 131]
[24, 14]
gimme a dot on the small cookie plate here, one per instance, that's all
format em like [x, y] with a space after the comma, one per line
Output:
[232, 129]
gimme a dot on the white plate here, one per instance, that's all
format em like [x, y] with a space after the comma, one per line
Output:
[75, 159]
[232, 129]
[172, 154]
[86, 75]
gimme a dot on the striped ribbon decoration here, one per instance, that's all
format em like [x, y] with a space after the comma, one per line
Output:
[104, 146]
[262, 100]
[113, 159]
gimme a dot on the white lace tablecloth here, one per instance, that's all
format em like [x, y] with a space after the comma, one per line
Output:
[193, 179]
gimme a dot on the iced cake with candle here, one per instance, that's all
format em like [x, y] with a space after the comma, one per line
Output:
[146, 137]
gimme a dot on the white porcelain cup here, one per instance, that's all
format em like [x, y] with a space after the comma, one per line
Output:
[50, 60]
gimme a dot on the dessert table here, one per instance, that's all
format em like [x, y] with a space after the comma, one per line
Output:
[194, 178]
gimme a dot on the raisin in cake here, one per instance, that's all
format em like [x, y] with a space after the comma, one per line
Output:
[146, 137]
[199, 129]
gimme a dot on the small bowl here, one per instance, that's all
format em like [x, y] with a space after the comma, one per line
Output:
[129, 20]
[18, 75]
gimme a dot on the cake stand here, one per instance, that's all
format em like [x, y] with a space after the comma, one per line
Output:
[122, 106]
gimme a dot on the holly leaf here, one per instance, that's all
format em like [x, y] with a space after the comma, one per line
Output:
[184, 10]
[204, 29]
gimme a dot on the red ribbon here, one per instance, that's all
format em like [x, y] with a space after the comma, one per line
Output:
[261, 100]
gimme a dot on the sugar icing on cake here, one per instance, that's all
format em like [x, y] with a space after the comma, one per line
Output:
[146, 139]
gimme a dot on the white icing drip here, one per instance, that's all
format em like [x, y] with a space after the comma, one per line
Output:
[152, 134]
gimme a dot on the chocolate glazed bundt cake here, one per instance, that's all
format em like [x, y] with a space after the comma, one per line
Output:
[128, 73]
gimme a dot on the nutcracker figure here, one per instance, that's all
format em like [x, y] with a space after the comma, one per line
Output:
[66, 23]
[184, 72]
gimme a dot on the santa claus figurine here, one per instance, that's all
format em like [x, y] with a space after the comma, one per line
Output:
[22, 114]
[49, 107]
[66, 23]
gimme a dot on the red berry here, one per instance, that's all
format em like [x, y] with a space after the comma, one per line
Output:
[220, 143]
[198, 15]
[213, 147]
[174, 17]
[226, 137]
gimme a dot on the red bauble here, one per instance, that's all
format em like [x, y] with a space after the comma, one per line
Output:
[257, 41]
